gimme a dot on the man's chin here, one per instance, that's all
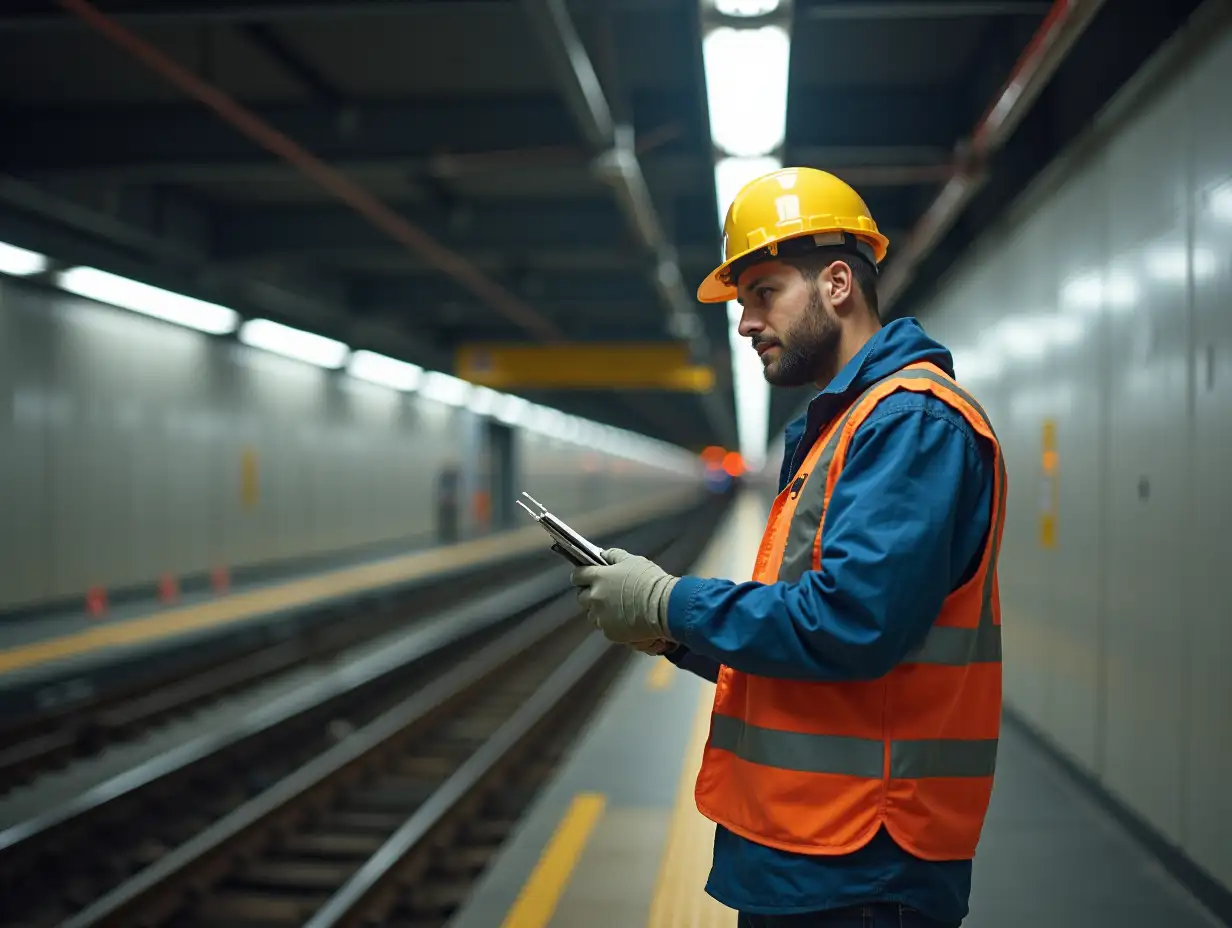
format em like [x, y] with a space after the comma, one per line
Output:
[773, 377]
[777, 377]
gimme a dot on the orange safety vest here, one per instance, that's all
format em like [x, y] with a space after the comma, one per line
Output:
[818, 768]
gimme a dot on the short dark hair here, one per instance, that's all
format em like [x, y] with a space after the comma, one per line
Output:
[812, 263]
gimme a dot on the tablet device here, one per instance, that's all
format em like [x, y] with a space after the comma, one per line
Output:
[568, 543]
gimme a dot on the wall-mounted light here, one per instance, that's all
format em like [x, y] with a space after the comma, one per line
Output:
[971, 366]
[445, 388]
[1171, 264]
[1221, 202]
[1091, 291]
[484, 400]
[21, 262]
[388, 372]
[151, 301]
[292, 343]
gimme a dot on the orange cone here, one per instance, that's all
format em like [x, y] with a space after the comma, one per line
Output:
[96, 601]
[168, 588]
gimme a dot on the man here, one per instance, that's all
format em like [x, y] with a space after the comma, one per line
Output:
[858, 704]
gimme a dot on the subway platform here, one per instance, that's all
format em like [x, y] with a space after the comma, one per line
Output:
[615, 841]
[72, 657]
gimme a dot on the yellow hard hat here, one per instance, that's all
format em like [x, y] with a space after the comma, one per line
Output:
[791, 203]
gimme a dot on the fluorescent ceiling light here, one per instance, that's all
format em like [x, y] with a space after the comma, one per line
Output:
[388, 372]
[149, 301]
[545, 420]
[572, 430]
[484, 400]
[748, 374]
[445, 388]
[745, 7]
[294, 343]
[746, 87]
[752, 394]
[730, 174]
[21, 262]
[512, 410]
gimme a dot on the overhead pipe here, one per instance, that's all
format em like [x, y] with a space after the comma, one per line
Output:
[1043, 55]
[324, 175]
[617, 161]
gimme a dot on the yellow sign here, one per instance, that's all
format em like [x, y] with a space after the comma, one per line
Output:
[250, 488]
[650, 366]
[1048, 489]
[1048, 530]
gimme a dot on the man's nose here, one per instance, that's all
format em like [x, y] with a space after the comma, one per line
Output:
[750, 325]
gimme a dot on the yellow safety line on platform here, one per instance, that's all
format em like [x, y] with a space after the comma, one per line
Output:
[661, 674]
[319, 588]
[536, 903]
[680, 900]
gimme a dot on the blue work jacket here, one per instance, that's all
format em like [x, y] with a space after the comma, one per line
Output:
[905, 527]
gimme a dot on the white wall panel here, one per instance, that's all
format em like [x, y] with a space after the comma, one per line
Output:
[1118, 268]
[26, 542]
[1206, 613]
[122, 440]
[1148, 475]
[1076, 367]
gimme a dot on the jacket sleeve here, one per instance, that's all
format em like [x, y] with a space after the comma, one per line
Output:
[908, 515]
[705, 667]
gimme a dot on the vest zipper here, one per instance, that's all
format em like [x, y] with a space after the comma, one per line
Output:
[797, 484]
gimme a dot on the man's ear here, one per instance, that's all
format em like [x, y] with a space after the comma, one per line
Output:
[840, 282]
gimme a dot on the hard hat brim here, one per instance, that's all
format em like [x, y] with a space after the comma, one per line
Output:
[714, 290]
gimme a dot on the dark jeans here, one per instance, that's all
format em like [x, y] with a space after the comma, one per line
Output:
[878, 915]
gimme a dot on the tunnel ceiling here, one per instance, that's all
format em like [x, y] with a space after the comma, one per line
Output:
[454, 115]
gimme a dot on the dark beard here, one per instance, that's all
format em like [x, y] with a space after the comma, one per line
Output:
[808, 350]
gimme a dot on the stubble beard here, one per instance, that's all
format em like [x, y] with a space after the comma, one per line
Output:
[807, 352]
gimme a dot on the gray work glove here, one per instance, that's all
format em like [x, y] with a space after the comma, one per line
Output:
[626, 600]
[654, 646]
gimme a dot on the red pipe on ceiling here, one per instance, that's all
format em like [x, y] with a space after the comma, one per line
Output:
[1056, 35]
[324, 175]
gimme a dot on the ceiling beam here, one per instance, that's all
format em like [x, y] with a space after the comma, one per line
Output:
[516, 228]
[476, 133]
[76, 137]
[617, 160]
[562, 259]
[871, 117]
[70, 233]
[845, 10]
[34, 15]
[331, 181]
[277, 49]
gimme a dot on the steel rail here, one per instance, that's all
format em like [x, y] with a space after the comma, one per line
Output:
[158, 891]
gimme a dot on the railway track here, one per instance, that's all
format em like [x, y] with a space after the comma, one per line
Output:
[386, 789]
[62, 734]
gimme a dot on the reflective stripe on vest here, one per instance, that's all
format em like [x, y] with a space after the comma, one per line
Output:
[854, 757]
